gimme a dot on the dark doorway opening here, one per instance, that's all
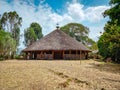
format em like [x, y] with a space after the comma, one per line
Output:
[35, 55]
[58, 55]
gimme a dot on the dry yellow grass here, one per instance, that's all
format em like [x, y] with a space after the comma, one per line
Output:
[58, 75]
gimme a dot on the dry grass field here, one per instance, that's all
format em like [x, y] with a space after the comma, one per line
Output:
[59, 75]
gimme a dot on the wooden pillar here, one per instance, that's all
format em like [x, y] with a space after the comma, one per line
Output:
[69, 54]
[86, 55]
[53, 54]
[26, 54]
[41, 55]
[76, 55]
[80, 54]
[63, 54]
[33, 55]
[29, 55]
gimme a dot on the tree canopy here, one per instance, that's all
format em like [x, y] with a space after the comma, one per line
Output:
[113, 12]
[11, 22]
[37, 29]
[109, 42]
[32, 33]
[78, 31]
[7, 44]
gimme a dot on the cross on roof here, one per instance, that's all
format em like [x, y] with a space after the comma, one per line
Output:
[57, 26]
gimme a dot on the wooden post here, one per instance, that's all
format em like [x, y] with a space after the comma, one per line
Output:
[63, 55]
[80, 56]
[69, 54]
[26, 55]
[85, 54]
[53, 54]
[76, 55]
[40, 55]
[30, 56]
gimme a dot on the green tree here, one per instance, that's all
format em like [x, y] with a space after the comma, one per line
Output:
[0, 23]
[109, 42]
[94, 46]
[113, 12]
[77, 31]
[37, 29]
[7, 44]
[11, 22]
[32, 34]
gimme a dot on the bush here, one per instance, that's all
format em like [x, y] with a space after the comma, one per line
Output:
[2, 58]
[95, 56]
[19, 57]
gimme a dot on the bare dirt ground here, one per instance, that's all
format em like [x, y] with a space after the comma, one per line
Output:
[59, 75]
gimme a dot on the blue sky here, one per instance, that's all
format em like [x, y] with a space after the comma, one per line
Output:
[49, 12]
[59, 4]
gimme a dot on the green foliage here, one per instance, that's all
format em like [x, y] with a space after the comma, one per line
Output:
[7, 44]
[11, 22]
[95, 56]
[94, 46]
[37, 29]
[115, 2]
[114, 12]
[77, 31]
[109, 42]
[19, 57]
[0, 23]
[32, 34]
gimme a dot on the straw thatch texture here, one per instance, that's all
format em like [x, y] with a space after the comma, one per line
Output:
[56, 40]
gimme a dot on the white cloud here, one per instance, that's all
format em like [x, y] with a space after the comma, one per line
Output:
[47, 18]
[95, 32]
[94, 14]
[90, 14]
[55, 18]
[76, 11]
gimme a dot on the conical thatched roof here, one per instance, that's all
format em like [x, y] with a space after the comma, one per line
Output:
[56, 40]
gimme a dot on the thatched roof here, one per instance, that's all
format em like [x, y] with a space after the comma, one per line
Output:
[56, 40]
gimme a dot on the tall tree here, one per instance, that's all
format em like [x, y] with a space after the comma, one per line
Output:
[32, 34]
[11, 22]
[7, 44]
[37, 29]
[0, 23]
[78, 31]
[109, 42]
[113, 12]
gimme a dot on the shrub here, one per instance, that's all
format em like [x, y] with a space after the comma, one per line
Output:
[2, 58]
[95, 56]
[19, 57]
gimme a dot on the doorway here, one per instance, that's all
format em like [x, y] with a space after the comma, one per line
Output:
[58, 55]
